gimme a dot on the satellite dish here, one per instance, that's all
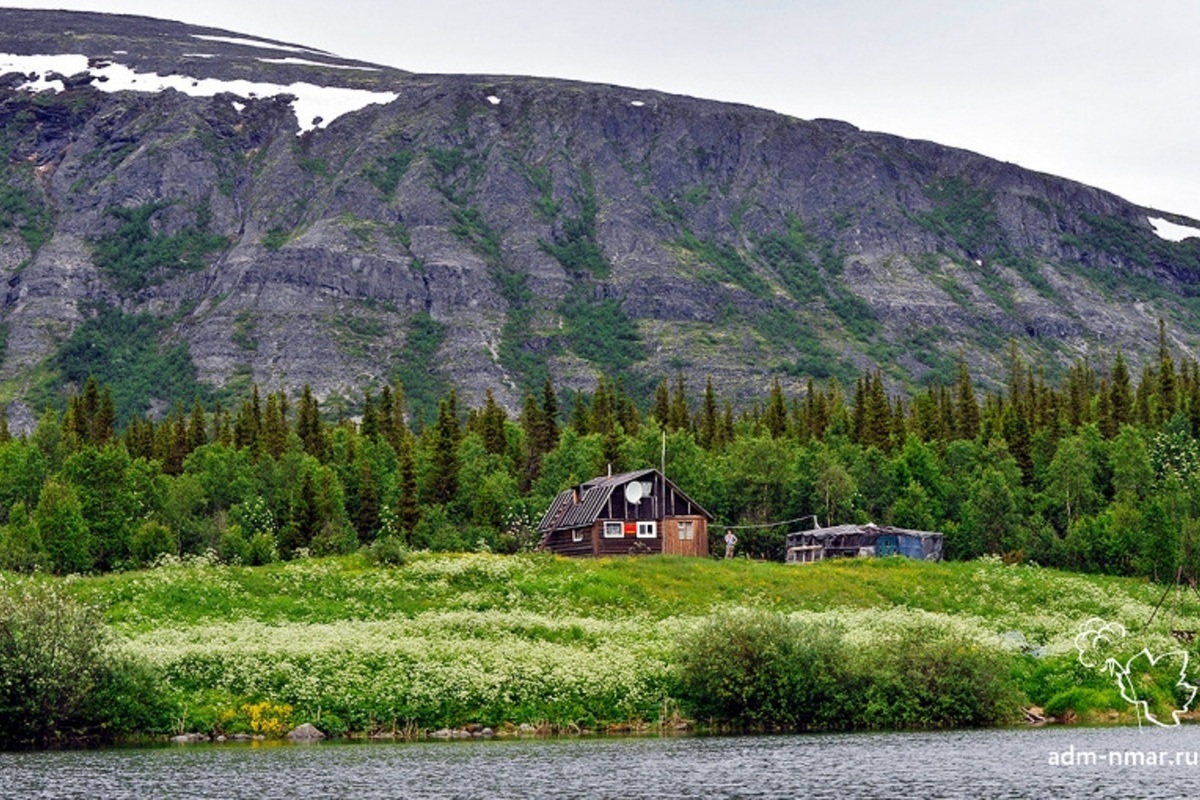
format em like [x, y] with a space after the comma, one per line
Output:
[633, 492]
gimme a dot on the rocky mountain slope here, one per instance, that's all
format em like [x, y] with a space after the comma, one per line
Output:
[188, 210]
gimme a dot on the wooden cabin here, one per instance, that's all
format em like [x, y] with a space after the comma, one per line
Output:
[862, 541]
[634, 512]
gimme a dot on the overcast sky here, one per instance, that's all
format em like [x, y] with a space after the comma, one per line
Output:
[1103, 91]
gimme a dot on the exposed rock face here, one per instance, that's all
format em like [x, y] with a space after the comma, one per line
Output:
[509, 229]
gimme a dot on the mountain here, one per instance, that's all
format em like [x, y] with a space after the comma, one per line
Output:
[186, 210]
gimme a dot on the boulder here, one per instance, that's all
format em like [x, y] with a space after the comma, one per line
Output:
[306, 733]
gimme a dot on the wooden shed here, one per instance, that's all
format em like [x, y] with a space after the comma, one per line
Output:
[628, 513]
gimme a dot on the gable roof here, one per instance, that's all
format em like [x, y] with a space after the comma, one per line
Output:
[566, 514]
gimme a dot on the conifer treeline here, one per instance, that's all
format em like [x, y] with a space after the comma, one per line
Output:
[1097, 472]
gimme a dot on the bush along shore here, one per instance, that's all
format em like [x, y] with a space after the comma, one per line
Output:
[457, 645]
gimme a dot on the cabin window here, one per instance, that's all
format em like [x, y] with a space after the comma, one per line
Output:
[686, 529]
[577, 535]
[613, 530]
[647, 530]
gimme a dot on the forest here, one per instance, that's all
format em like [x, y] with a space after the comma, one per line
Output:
[1098, 471]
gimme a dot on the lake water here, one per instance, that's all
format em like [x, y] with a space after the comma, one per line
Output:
[962, 764]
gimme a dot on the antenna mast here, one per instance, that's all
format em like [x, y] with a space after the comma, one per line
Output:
[664, 453]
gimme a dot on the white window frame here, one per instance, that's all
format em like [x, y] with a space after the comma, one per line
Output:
[614, 530]
[577, 535]
[688, 525]
[647, 530]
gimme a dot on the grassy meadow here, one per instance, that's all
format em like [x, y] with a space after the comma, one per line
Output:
[445, 640]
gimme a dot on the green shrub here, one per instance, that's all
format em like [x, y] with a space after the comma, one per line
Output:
[59, 678]
[919, 680]
[261, 550]
[388, 550]
[790, 256]
[966, 215]
[435, 531]
[21, 548]
[761, 669]
[151, 540]
[233, 547]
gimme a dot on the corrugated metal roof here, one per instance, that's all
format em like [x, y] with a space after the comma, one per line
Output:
[587, 510]
[617, 480]
[868, 529]
[557, 509]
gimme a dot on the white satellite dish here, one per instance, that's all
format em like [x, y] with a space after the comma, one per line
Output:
[633, 492]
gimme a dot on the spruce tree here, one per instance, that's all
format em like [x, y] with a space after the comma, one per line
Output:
[248, 423]
[407, 509]
[104, 422]
[662, 404]
[367, 509]
[534, 427]
[878, 416]
[274, 434]
[309, 426]
[580, 415]
[304, 516]
[1120, 393]
[491, 426]
[709, 421]
[444, 440]
[775, 416]
[966, 405]
[679, 416]
[1167, 400]
[548, 439]
[627, 411]
[197, 427]
[602, 419]
[370, 418]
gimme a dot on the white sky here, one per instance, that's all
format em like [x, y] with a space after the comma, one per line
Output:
[1102, 91]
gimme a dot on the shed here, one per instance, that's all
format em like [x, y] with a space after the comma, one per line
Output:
[841, 541]
[638, 511]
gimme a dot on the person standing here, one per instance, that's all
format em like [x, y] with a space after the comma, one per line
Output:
[730, 541]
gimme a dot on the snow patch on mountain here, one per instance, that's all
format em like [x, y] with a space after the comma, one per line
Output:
[304, 62]
[1171, 231]
[255, 43]
[315, 106]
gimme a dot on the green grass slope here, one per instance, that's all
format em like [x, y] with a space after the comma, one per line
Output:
[446, 640]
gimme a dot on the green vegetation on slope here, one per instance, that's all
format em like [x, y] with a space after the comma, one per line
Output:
[418, 373]
[445, 640]
[575, 246]
[600, 331]
[122, 351]
[20, 212]
[136, 256]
